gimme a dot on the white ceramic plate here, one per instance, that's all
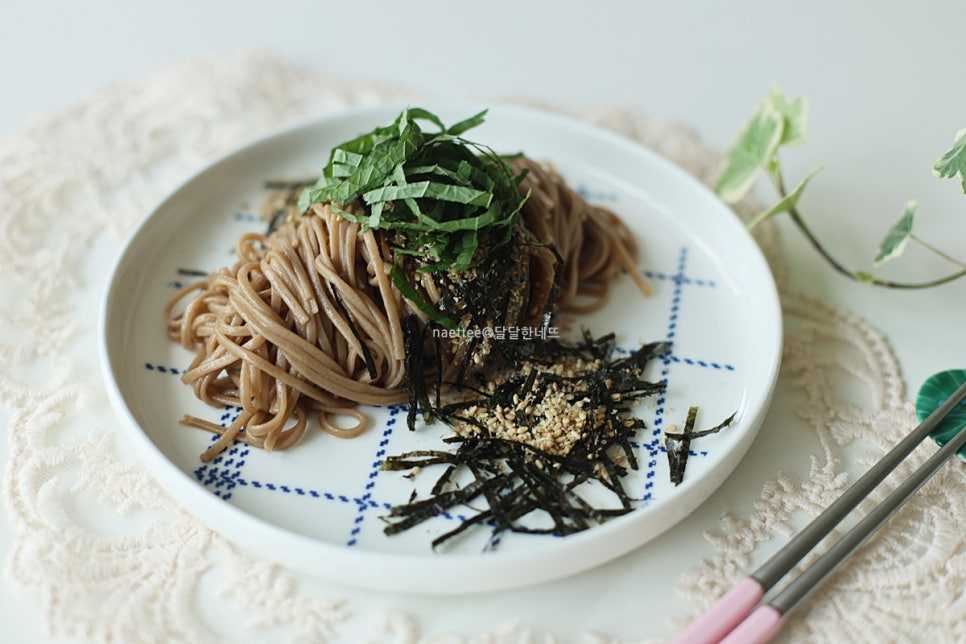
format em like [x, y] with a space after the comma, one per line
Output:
[317, 507]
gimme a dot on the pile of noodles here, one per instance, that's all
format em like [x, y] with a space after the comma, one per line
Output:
[308, 321]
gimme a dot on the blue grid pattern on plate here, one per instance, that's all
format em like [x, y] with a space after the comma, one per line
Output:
[681, 280]
[226, 473]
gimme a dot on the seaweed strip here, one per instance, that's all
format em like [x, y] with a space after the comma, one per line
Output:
[414, 339]
[679, 445]
[192, 272]
[366, 353]
[289, 190]
[418, 511]
[717, 428]
[289, 184]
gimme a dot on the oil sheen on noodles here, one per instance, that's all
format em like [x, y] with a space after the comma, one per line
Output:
[308, 320]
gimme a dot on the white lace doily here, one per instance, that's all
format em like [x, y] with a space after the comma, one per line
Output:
[112, 558]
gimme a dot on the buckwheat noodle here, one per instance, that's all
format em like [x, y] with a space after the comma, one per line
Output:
[309, 321]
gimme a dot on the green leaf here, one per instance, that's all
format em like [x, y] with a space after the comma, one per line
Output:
[470, 243]
[411, 294]
[469, 223]
[413, 113]
[436, 170]
[788, 202]
[442, 194]
[779, 120]
[429, 190]
[466, 124]
[898, 236]
[954, 161]
[752, 151]
[345, 160]
[794, 114]
[305, 200]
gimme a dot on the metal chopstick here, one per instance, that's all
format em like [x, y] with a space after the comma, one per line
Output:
[763, 628]
[734, 606]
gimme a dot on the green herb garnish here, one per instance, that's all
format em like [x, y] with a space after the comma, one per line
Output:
[779, 122]
[447, 197]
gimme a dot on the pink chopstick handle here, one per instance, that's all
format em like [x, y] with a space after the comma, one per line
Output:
[759, 628]
[724, 614]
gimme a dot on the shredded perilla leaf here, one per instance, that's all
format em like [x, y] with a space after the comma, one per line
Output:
[449, 200]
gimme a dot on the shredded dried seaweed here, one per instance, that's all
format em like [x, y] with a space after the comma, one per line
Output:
[533, 437]
[192, 272]
[678, 445]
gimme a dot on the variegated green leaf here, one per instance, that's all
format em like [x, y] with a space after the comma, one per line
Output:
[954, 161]
[897, 238]
[787, 202]
[753, 150]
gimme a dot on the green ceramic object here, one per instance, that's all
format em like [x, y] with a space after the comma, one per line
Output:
[933, 393]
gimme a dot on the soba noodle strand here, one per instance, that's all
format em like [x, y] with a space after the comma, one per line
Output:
[308, 319]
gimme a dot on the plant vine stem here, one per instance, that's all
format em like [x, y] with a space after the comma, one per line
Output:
[947, 257]
[841, 268]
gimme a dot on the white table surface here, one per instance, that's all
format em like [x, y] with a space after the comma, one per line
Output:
[885, 84]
